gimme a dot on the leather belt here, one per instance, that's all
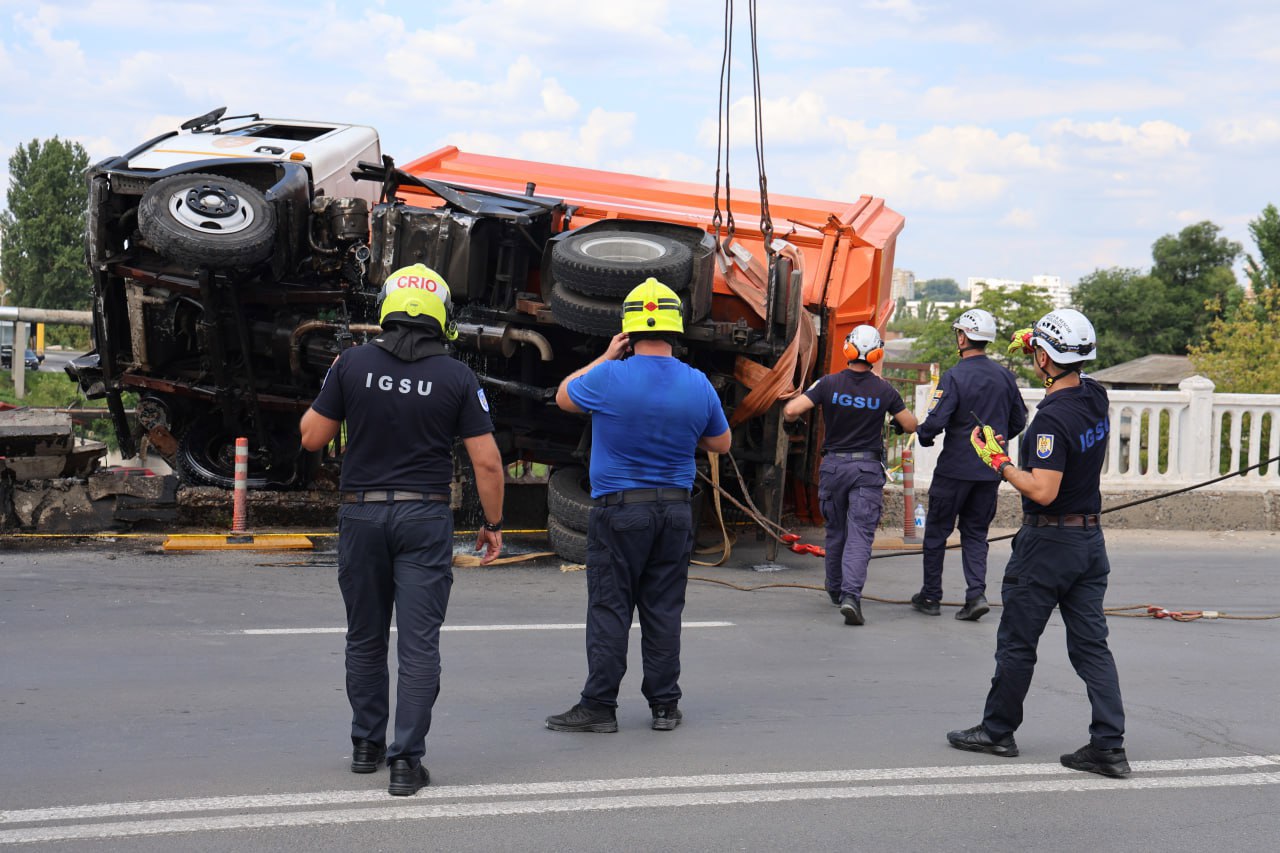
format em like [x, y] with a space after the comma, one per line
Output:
[1085, 521]
[383, 496]
[860, 455]
[635, 496]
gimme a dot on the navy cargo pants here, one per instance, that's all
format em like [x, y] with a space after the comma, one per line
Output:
[637, 559]
[1067, 568]
[851, 497]
[973, 503]
[397, 554]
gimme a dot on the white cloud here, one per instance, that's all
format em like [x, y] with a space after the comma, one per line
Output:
[1020, 217]
[1149, 139]
[1251, 36]
[590, 144]
[1254, 130]
[556, 102]
[990, 101]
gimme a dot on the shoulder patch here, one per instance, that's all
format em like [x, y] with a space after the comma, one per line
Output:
[937, 395]
[1044, 446]
[484, 401]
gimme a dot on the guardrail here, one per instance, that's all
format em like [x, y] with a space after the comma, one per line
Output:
[1163, 439]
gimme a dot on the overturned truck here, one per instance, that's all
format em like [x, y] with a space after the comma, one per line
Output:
[234, 258]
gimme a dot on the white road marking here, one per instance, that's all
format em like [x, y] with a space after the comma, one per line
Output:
[549, 626]
[415, 810]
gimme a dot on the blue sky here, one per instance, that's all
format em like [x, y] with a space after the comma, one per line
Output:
[1017, 140]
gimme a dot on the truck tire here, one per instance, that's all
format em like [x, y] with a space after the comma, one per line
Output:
[206, 457]
[569, 498]
[201, 220]
[611, 263]
[584, 314]
[568, 543]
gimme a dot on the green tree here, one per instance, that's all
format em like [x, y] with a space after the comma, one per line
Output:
[1132, 314]
[1013, 310]
[938, 290]
[1195, 267]
[1242, 354]
[1264, 270]
[42, 246]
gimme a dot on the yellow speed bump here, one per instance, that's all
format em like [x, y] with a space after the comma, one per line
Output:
[238, 542]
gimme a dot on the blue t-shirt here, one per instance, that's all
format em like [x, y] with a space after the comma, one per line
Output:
[402, 417]
[1069, 434]
[647, 415]
[975, 385]
[854, 405]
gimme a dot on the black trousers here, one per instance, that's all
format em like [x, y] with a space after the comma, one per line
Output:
[394, 555]
[973, 504]
[637, 559]
[1066, 568]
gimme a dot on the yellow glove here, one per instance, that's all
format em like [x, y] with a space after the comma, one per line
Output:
[1021, 342]
[989, 448]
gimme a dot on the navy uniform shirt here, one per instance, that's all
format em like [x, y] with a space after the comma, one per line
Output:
[402, 417]
[1069, 434]
[854, 406]
[975, 385]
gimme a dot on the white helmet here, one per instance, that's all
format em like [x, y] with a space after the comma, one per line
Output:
[864, 344]
[977, 325]
[1067, 336]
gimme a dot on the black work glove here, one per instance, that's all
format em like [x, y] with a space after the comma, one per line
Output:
[922, 440]
[795, 427]
[896, 427]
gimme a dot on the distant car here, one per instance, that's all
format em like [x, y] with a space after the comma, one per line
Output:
[30, 360]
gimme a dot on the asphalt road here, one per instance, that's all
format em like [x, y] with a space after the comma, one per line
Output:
[154, 702]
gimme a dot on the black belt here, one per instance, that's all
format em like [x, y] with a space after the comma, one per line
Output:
[857, 456]
[1085, 521]
[635, 496]
[383, 496]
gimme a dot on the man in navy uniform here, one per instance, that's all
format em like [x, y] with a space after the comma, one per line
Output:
[650, 413]
[404, 401]
[962, 487]
[1059, 557]
[851, 478]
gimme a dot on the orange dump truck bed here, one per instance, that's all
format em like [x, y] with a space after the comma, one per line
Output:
[847, 247]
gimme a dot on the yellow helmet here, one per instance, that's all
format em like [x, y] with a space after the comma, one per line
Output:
[651, 306]
[419, 292]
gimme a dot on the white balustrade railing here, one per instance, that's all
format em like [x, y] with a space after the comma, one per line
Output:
[1164, 439]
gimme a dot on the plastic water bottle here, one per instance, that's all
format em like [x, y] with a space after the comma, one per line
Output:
[919, 518]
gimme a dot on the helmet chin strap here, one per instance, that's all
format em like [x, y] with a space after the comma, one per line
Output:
[1050, 379]
[962, 350]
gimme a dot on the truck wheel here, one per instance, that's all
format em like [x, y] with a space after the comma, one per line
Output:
[578, 313]
[611, 263]
[207, 457]
[204, 220]
[569, 497]
[568, 543]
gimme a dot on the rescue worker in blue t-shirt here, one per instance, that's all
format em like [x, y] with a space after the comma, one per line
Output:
[1059, 557]
[851, 478]
[962, 487]
[649, 415]
[404, 401]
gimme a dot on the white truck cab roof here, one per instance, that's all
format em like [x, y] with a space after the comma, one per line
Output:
[329, 149]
